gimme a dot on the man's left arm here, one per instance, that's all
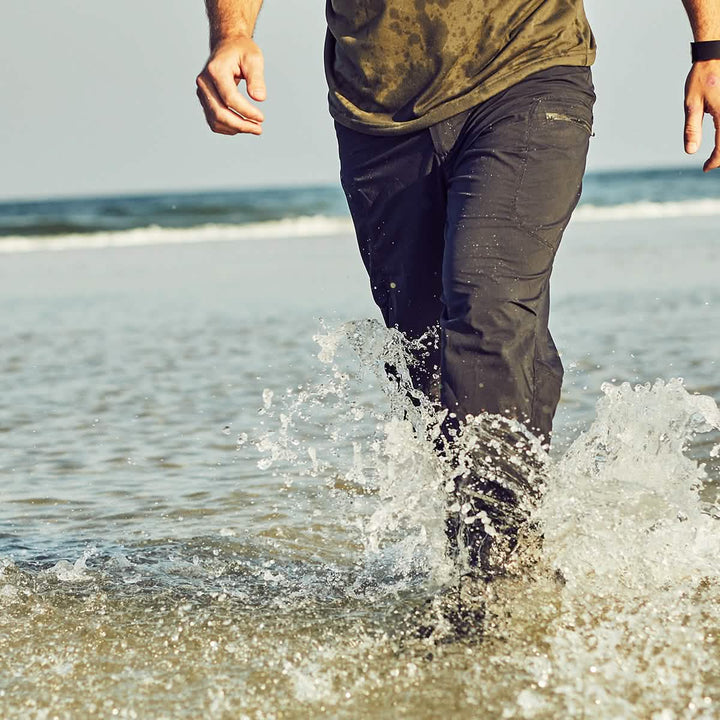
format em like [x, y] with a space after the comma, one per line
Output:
[702, 88]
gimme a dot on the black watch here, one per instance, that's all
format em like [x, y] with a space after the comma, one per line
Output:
[708, 50]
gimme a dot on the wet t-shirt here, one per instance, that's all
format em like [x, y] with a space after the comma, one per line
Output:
[395, 66]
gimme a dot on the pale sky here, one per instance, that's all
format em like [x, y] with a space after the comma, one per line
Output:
[99, 97]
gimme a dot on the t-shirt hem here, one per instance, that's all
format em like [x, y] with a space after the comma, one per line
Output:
[458, 105]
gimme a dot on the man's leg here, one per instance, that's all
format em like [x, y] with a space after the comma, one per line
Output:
[396, 194]
[514, 175]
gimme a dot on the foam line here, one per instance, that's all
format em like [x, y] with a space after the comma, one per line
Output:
[648, 210]
[315, 226]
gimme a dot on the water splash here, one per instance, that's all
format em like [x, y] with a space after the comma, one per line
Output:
[619, 615]
[623, 507]
[72, 571]
[414, 470]
[389, 482]
[624, 523]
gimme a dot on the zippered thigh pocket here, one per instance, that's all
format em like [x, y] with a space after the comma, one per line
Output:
[554, 116]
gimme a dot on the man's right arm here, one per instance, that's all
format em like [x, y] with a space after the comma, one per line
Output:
[234, 57]
[702, 88]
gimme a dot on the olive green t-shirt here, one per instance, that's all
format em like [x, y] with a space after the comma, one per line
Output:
[396, 66]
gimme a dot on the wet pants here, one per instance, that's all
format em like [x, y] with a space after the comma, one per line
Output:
[458, 226]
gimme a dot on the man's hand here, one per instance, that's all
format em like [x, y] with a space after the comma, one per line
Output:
[702, 95]
[227, 111]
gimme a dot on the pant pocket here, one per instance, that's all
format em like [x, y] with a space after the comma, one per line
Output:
[562, 117]
[554, 164]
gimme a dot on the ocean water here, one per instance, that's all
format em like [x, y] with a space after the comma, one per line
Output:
[305, 211]
[213, 503]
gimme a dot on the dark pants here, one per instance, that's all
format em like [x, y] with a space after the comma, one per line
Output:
[458, 226]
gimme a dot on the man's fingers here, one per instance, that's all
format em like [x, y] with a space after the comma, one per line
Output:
[714, 160]
[226, 88]
[215, 125]
[254, 72]
[227, 110]
[220, 118]
[693, 125]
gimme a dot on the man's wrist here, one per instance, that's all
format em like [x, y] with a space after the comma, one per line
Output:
[705, 50]
[235, 36]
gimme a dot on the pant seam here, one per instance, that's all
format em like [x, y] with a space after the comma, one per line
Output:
[534, 234]
[523, 169]
[533, 420]
[516, 219]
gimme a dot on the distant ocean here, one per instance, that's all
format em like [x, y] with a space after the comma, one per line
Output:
[304, 211]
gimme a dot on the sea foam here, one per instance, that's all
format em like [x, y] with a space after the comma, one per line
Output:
[314, 226]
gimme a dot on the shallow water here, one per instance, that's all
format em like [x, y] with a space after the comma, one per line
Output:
[200, 517]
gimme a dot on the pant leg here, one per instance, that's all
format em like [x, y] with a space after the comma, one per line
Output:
[514, 176]
[396, 194]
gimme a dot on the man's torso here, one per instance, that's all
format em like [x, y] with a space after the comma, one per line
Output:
[396, 66]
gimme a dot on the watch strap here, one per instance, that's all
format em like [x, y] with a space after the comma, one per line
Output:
[706, 50]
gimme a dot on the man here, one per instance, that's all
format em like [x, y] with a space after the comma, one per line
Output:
[463, 129]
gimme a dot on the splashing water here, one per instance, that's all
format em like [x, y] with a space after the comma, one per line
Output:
[625, 496]
[317, 612]
[619, 616]
[624, 523]
[397, 466]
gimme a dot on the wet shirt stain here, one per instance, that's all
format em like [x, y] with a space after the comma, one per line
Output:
[396, 66]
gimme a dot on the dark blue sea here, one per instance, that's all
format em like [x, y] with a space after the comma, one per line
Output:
[165, 217]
